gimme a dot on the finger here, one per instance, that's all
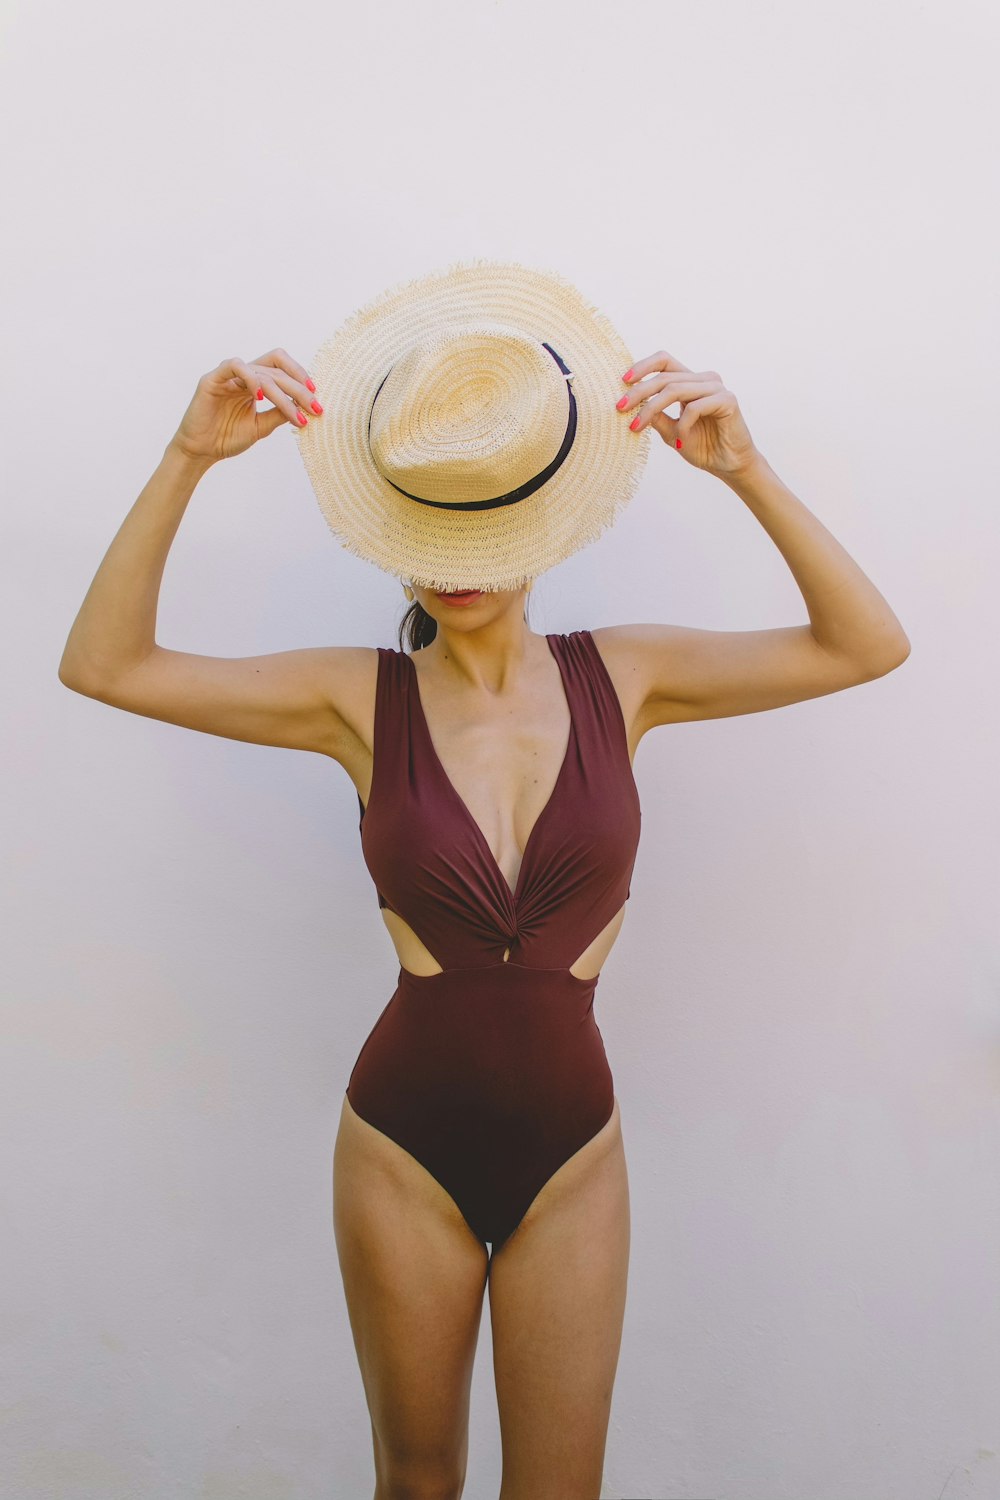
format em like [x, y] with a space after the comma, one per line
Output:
[667, 427]
[707, 406]
[676, 381]
[661, 360]
[271, 381]
[665, 391]
[268, 420]
[282, 360]
[277, 369]
[297, 390]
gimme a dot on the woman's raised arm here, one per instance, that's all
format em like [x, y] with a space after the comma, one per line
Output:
[298, 699]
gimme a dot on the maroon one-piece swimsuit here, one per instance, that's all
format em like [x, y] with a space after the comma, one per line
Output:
[492, 1073]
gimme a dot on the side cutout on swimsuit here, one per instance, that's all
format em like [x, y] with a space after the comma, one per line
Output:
[592, 960]
[413, 954]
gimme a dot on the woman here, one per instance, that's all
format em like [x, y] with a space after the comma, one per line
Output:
[499, 814]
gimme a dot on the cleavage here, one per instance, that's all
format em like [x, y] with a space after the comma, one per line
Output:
[501, 806]
[505, 816]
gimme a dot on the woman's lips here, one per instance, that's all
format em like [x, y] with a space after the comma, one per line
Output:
[460, 596]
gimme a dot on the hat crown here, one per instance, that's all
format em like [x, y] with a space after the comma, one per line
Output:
[468, 411]
[469, 437]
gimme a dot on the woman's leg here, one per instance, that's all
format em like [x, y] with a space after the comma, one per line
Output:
[414, 1278]
[557, 1305]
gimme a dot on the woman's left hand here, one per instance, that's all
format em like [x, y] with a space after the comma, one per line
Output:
[710, 431]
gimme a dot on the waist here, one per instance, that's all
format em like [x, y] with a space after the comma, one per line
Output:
[502, 978]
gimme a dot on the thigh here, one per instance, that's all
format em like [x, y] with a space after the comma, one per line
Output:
[414, 1278]
[557, 1304]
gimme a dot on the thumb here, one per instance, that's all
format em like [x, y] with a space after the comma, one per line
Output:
[268, 420]
[668, 428]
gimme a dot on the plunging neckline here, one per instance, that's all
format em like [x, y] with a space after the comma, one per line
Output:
[514, 891]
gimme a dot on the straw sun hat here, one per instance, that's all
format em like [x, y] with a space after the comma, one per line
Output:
[469, 436]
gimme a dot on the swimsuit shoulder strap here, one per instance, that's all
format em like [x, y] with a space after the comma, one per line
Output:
[393, 732]
[600, 720]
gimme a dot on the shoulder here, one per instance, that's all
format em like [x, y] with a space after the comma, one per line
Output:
[615, 651]
[607, 642]
[350, 675]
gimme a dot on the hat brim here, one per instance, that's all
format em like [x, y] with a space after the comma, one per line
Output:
[499, 548]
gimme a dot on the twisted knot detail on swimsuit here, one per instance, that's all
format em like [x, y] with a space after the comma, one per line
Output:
[432, 865]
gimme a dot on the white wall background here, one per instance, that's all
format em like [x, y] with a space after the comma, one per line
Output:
[802, 1011]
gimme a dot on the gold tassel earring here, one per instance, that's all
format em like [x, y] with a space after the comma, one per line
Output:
[407, 590]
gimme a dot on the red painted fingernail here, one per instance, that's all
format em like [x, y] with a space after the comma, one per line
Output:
[635, 424]
[628, 374]
[679, 443]
[300, 417]
[621, 405]
[260, 394]
[317, 408]
[309, 384]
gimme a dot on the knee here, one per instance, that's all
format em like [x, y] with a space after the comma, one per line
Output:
[426, 1487]
[423, 1481]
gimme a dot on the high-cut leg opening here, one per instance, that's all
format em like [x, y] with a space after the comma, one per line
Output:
[509, 1233]
[506, 1211]
[417, 1162]
[491, 1077]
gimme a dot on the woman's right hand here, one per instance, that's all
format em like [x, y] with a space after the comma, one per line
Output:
[223, 419]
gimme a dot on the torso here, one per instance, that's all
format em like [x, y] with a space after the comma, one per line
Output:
[503, 757]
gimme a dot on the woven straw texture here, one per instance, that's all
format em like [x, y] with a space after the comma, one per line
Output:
[473, 429]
